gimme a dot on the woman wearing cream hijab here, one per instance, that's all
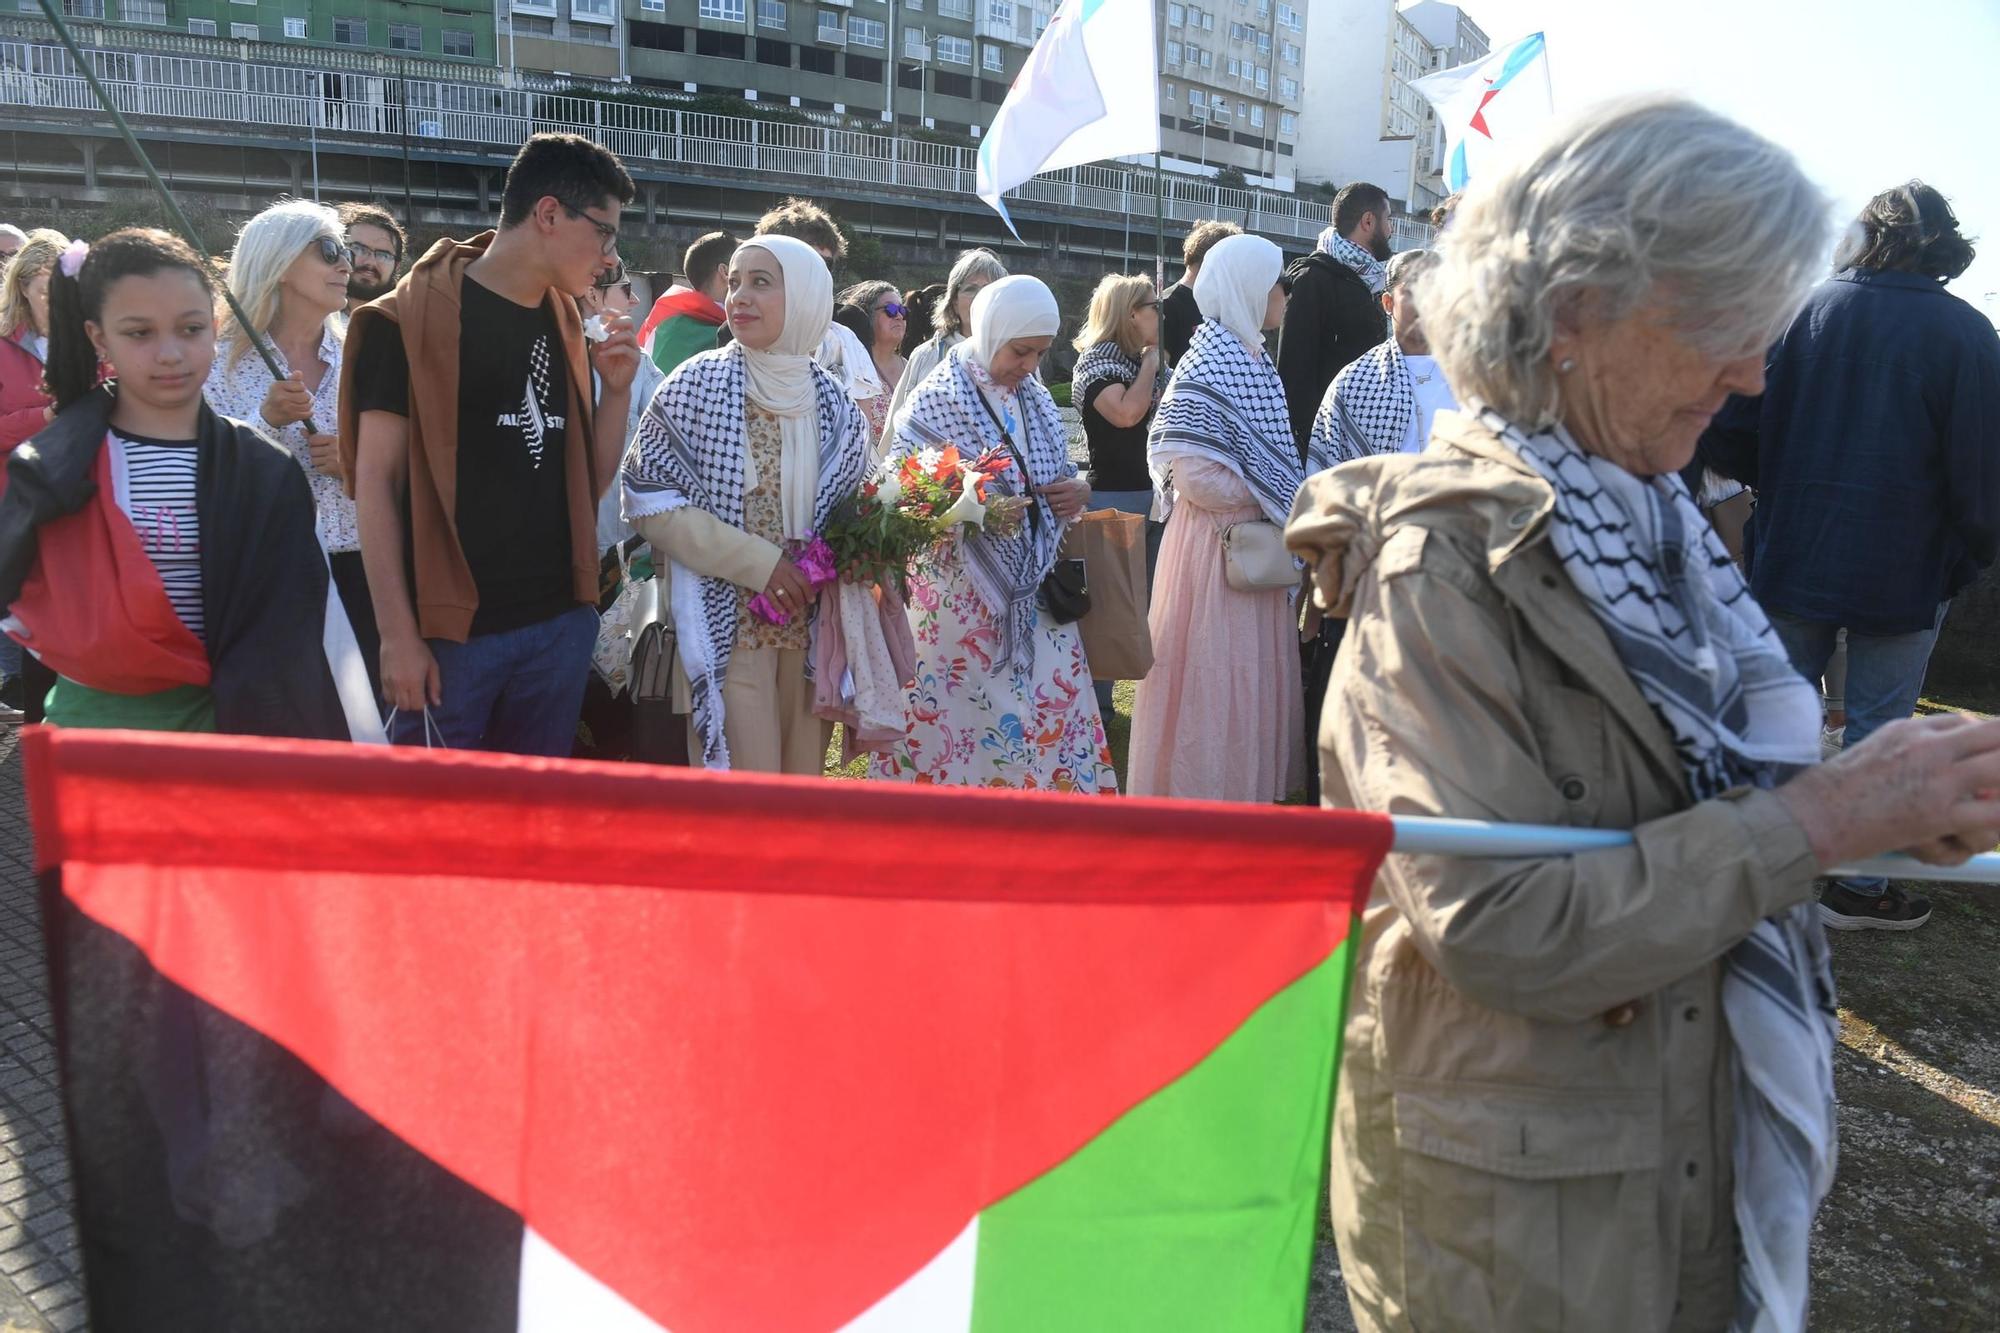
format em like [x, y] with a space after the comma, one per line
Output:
[1002, 695]
[739, 460]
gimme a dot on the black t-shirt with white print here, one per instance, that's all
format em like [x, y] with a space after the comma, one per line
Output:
[513, 498]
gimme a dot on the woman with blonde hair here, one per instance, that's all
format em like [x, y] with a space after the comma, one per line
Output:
[1114, 388]
[25, 406]
[952, 320]
[289, 274]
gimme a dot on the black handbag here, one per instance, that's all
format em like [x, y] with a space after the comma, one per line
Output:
[1065, 589]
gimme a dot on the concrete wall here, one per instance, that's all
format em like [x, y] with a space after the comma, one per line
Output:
[1965, 668]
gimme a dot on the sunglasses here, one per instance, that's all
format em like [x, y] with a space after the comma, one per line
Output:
[1147, 305]
[360, 251]
[334, 252]
[893, 309]
[614, 277]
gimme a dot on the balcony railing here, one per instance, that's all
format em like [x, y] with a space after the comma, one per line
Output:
[200, 95]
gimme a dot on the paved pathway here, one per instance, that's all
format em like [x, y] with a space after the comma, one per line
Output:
[41, 1285]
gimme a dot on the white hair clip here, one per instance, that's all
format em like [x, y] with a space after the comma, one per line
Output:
[72, 258]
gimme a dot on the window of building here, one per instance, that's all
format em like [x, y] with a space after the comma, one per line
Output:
[654, 6]
[992, 58]
[771, 13]
[1235, 67]
[248, 32]
[954, 9]
[868, 69]
[1257, 117]
[992, 91]
[1176, 15]
[1263, 78]
[1264, 42]
[867, 32]
[1290, 54]
[1289, 17]
[144, 11]
[815, 60]
[951, 85]
[955, 50]
[774, 53]
[1288, 123]
[730, 11]
[458, 42]
[1000, 13]
[1290, 88]
[1243, 110]
[1197, 97]
[1207, 58]
[405, 37]
[201, 27]
[1173, 53]
[593, 11]
[346, 31]
[1285, 149]
[911, 77]
[722, 45]
[535, 6]
[1166, 92]
[657, 36]
[832, 23]
[1263, 9]
[915, 5]
[295, 29]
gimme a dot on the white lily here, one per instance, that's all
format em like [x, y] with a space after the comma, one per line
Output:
[967, 508]
[890, 488]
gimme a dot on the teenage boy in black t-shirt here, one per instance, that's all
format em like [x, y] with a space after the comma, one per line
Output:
[476, 460]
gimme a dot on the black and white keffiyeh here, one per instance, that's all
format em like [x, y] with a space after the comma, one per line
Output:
[1702, 653]
[1368, 407]
[1106, 363]
[1227, 405]
[1006, 572]
[1371, 270]
[690, 449]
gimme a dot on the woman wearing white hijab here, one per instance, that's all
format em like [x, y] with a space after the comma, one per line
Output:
[1002, 695]
[1218, 717]
[741, 456]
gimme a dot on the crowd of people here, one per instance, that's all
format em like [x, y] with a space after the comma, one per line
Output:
[362, 502]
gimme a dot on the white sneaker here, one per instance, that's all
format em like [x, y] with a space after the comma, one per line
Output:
[1831, 741]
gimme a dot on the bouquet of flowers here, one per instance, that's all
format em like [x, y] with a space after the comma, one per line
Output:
[925, 499]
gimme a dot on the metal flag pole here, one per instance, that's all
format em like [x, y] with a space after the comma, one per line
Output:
[1159, 227]
[1473, 837]
[187, 230]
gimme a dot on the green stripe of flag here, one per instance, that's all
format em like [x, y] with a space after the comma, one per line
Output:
[1195, 1209]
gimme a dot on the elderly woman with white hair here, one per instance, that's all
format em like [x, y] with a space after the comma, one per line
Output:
[973, 272]
[1218, 717]
[1002, 695]
[1595, 1090]
[740, 458]
[289, 273]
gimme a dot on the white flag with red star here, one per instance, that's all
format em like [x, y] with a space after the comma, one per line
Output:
[1489, 106]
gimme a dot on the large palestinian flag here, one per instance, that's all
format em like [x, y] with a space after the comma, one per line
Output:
[411, 1041]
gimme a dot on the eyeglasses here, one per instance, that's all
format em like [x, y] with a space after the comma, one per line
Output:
[360, 251]
[893, 309]
[1146, 305]
[606, 233]
[610, 278]
[334, 252]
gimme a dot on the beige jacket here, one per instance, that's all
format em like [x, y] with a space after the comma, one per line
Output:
[1532, 1129]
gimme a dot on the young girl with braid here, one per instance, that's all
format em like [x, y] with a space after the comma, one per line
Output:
[160, 559]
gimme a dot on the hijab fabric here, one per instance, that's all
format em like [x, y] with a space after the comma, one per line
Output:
[1016, 307]
[779, 379]
[1234, 285]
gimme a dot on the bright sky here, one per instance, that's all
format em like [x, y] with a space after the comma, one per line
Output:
[1867, 93]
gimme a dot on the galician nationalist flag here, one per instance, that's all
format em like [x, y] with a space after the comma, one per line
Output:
[481, 1044]
[1089, 91]
[1489, 107]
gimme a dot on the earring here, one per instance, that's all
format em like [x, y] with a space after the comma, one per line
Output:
[1566, 365]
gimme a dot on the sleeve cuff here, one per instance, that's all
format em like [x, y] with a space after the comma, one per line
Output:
[1778, 847]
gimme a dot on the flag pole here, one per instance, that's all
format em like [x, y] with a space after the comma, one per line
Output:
[1159, 226]
[188, 233]
[1475, 837]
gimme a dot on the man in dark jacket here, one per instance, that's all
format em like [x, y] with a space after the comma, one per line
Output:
[1336, 309]
[1335, 315]
[1875, 455]
[1179, 315]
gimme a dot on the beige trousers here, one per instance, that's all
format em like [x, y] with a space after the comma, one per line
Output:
[767, 714]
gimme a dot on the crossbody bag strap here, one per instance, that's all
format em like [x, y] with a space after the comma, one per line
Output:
[1027, 477]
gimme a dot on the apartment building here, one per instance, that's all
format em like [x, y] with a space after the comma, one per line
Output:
[1231, 86]
[453, 30]
[1362, 119]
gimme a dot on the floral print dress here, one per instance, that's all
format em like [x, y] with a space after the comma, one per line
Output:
[976, 723]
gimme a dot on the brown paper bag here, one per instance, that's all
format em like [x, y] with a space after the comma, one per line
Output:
[1116, 638]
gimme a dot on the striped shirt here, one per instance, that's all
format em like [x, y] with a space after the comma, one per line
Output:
[159, 498]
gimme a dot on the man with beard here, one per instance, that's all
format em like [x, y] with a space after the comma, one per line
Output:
[376, 241]
[1334, 316]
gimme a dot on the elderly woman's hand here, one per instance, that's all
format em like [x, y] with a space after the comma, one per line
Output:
[1067, 498]
[1929, 786]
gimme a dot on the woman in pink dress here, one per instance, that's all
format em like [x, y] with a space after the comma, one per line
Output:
[1219, 716]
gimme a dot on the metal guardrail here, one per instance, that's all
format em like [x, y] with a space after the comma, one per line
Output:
[166, 87]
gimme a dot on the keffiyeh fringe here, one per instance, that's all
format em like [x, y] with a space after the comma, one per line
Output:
[1227, 405]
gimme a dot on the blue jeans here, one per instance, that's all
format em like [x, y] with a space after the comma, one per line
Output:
[1129, 502]
[516, 692]
[10, 658]
[1885, 674]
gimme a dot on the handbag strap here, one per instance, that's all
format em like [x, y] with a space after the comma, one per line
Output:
[1007, 438]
